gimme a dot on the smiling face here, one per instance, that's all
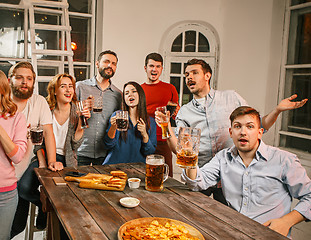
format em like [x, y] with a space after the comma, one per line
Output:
[245, 132]
[197, 81]
[131, 96]
[65, 91]
[22, 83]
[153, 70]
[107, 66]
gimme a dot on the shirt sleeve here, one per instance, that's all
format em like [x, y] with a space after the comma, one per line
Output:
[19, 139]
[207, 176]
[150, 146]
[299, 185]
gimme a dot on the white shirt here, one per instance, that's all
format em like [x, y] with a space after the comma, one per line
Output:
[60, 133]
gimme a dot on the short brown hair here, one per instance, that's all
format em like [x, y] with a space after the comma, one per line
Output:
[205, 66]
[244, 110]
[18, 65]
[155, 57]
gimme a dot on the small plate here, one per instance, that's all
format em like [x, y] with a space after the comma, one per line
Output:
[129, 202]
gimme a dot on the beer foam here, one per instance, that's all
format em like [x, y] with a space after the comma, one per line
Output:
[154, 161]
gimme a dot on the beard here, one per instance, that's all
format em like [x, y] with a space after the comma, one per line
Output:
[22, 95]
[104, 74]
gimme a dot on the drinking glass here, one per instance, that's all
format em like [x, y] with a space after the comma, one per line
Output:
[156, 172]
[36, 135]
[80, 106]
[171, 107]
[188, 147]
[98, 105]
[122, 119]
[164, 122]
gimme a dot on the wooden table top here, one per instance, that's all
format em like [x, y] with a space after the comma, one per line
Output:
[97, 214]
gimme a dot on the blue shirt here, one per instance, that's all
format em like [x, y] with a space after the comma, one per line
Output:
[134, 149]
[261, 191]
[92, 145]
[212, 119]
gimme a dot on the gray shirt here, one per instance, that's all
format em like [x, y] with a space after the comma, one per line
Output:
[93, 139]
[212, 119]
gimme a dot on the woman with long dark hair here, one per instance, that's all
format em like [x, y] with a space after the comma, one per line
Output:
[13, 144]
[140, 139]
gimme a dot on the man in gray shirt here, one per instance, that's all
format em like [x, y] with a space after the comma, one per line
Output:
[92, 150]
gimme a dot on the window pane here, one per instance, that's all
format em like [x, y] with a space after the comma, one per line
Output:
[10, 1]
[5, 67]
[203, 43]
[297, 143]
[82, 6]
[190, 41]
[302, 45]
[12, 33]
[79, 35]
[176, 68]
[176, 82]
[81, 72]
[42, 88]
[177, 44]
[295, 2]
[187, 96]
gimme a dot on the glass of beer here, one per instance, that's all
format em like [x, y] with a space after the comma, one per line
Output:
[36, 135]
[171, 107]
[98, 105]
[156, 172]
[164, 122]
[122, 119]
[188, 147]
[80, 106]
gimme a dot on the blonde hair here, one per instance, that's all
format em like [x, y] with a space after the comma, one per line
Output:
[54, 85]
[7, 104]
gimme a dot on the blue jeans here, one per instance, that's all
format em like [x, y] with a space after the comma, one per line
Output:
[8, 204]
[28, 192]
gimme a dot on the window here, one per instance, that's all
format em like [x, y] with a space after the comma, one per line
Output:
[296, 125]
[14, 28]
[183, 42]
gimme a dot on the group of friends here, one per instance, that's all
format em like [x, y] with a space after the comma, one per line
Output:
[234, 163]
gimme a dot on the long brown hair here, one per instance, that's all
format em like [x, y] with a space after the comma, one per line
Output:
[7, 104]
[141, 107]
[54, 85]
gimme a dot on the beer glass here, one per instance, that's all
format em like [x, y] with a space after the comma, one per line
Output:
[188, 147]
[98, 105]
[36, 135]
[84, 123]
[164, 122]
[122, 119]
[156, 172]
[171, 107]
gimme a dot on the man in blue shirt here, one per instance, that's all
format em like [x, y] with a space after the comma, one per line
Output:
[258, 180]
[210, 109]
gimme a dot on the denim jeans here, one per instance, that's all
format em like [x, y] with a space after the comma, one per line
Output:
[85, 161]
[8, 204]
[28, 192]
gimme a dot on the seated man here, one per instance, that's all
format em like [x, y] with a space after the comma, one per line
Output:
[258, 181]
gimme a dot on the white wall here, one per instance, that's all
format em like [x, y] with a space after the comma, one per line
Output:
[250, 33]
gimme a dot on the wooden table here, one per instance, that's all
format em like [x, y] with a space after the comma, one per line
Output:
[96, 214]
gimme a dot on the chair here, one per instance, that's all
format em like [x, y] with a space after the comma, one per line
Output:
[30, 228]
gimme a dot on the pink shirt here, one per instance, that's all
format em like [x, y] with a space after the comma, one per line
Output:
[16, 129]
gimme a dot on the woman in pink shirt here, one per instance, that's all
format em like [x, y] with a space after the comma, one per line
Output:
[13, 145]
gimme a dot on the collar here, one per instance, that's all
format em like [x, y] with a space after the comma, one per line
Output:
[261, 153]
[209, 97]
[93, 82]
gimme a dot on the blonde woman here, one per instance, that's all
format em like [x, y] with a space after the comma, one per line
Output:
[13, 144]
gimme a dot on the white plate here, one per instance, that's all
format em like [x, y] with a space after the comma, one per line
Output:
[129, 202]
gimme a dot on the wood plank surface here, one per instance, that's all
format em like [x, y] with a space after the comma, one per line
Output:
[103, 214]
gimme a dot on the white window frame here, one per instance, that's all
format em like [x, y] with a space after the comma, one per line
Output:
[210, 57]
[282, 86]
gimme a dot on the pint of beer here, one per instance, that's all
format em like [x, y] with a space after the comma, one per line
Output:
[164, 122]
[188, 147]
[156, 173]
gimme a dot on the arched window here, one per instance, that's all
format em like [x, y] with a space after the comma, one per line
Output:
[185, 41]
